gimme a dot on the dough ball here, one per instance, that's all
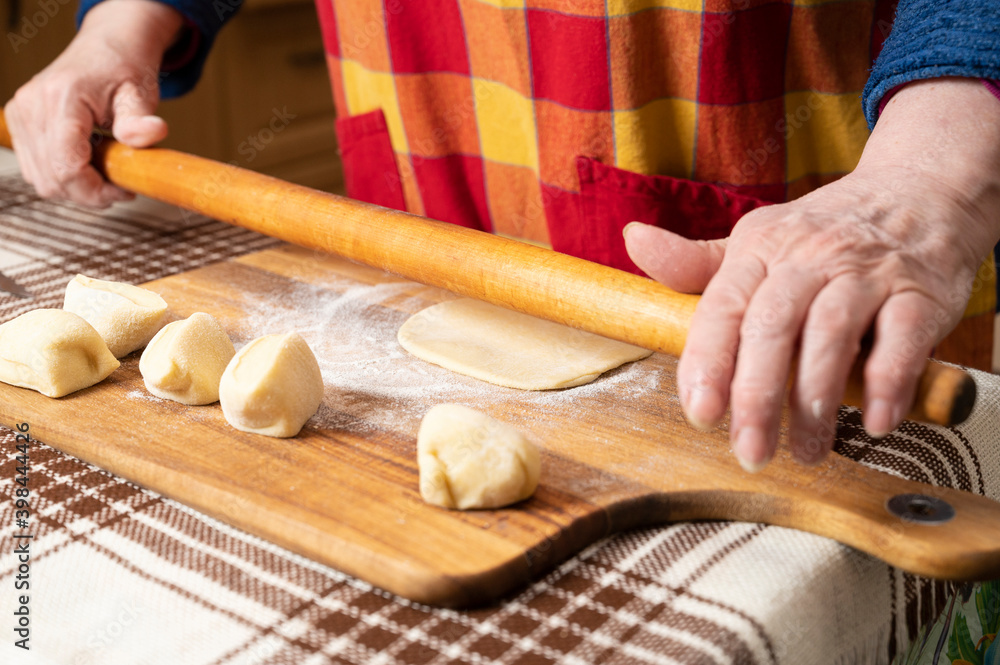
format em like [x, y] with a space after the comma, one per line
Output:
[54, 352]
[469, 460]
[184, 362]
[510, 349]
[272, 386]
[126, 316]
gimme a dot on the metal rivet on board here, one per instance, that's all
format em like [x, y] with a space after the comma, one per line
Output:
[920, 508]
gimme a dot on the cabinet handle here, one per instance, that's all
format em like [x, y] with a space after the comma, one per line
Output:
[307, 59]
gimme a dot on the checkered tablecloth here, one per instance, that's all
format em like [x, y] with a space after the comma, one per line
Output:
[121, 575]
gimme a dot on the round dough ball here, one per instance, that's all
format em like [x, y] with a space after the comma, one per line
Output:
[126, 316]
[184, 362]
[469, 460]
[54, 352]
[272, 386]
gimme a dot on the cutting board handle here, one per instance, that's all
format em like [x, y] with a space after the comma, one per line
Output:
[932, 531]
[505, 272]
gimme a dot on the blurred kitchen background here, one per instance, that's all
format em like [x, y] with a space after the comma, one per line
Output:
[268, 61]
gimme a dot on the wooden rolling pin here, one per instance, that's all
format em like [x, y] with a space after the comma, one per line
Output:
[512, 274]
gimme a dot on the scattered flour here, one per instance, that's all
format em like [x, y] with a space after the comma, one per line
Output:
[373, 384]
[143, 395]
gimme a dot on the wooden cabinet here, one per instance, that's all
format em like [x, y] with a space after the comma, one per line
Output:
[263, 103]
[268, 97]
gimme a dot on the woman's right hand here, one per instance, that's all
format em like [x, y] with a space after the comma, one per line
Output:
[106, 77]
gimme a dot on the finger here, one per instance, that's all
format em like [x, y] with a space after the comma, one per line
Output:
[768, 338]
[25, 159]
[134, 123]
[21, 140]
[681, 264]
[706, 366]
[90, 189]
[69, 174]
[831, 337]
[906, 330]
[141, 132]
[65, 154]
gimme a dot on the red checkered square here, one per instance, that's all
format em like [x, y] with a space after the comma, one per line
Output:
[828, 47]
[884, 13]
[439, 44]
[328, 24]
[463, 204]
[741, 144]
[733, 6]
[743, 55]
[569, 60]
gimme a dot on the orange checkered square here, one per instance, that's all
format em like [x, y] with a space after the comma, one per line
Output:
[497, 40]
[740, 144]
[440, 110]
[362, 34]
[563, 135]
[515, 202]
[594, 8]
[658, 51]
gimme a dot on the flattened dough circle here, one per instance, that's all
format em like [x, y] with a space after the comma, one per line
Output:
[510, 349]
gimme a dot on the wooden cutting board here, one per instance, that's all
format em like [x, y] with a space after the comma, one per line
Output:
[617, 454]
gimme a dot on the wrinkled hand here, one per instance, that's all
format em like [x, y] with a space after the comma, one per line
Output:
[893, 247]
[106, 77]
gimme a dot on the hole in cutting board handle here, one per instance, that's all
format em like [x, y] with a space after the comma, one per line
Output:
[920, 508]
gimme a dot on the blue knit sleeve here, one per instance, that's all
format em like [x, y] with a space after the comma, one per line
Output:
[933, 38]
[204, 19]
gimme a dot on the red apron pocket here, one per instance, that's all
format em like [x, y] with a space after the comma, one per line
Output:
[610, 198]
[370, 171]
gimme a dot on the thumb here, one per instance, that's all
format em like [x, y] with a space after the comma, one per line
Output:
[134, 123]
[674, 261]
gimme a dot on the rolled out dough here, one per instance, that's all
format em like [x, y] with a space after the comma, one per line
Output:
[511, 349]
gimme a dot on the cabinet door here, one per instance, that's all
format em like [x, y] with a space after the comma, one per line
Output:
[266, 96]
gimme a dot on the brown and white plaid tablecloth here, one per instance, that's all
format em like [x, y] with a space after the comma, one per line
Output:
[121, 575]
